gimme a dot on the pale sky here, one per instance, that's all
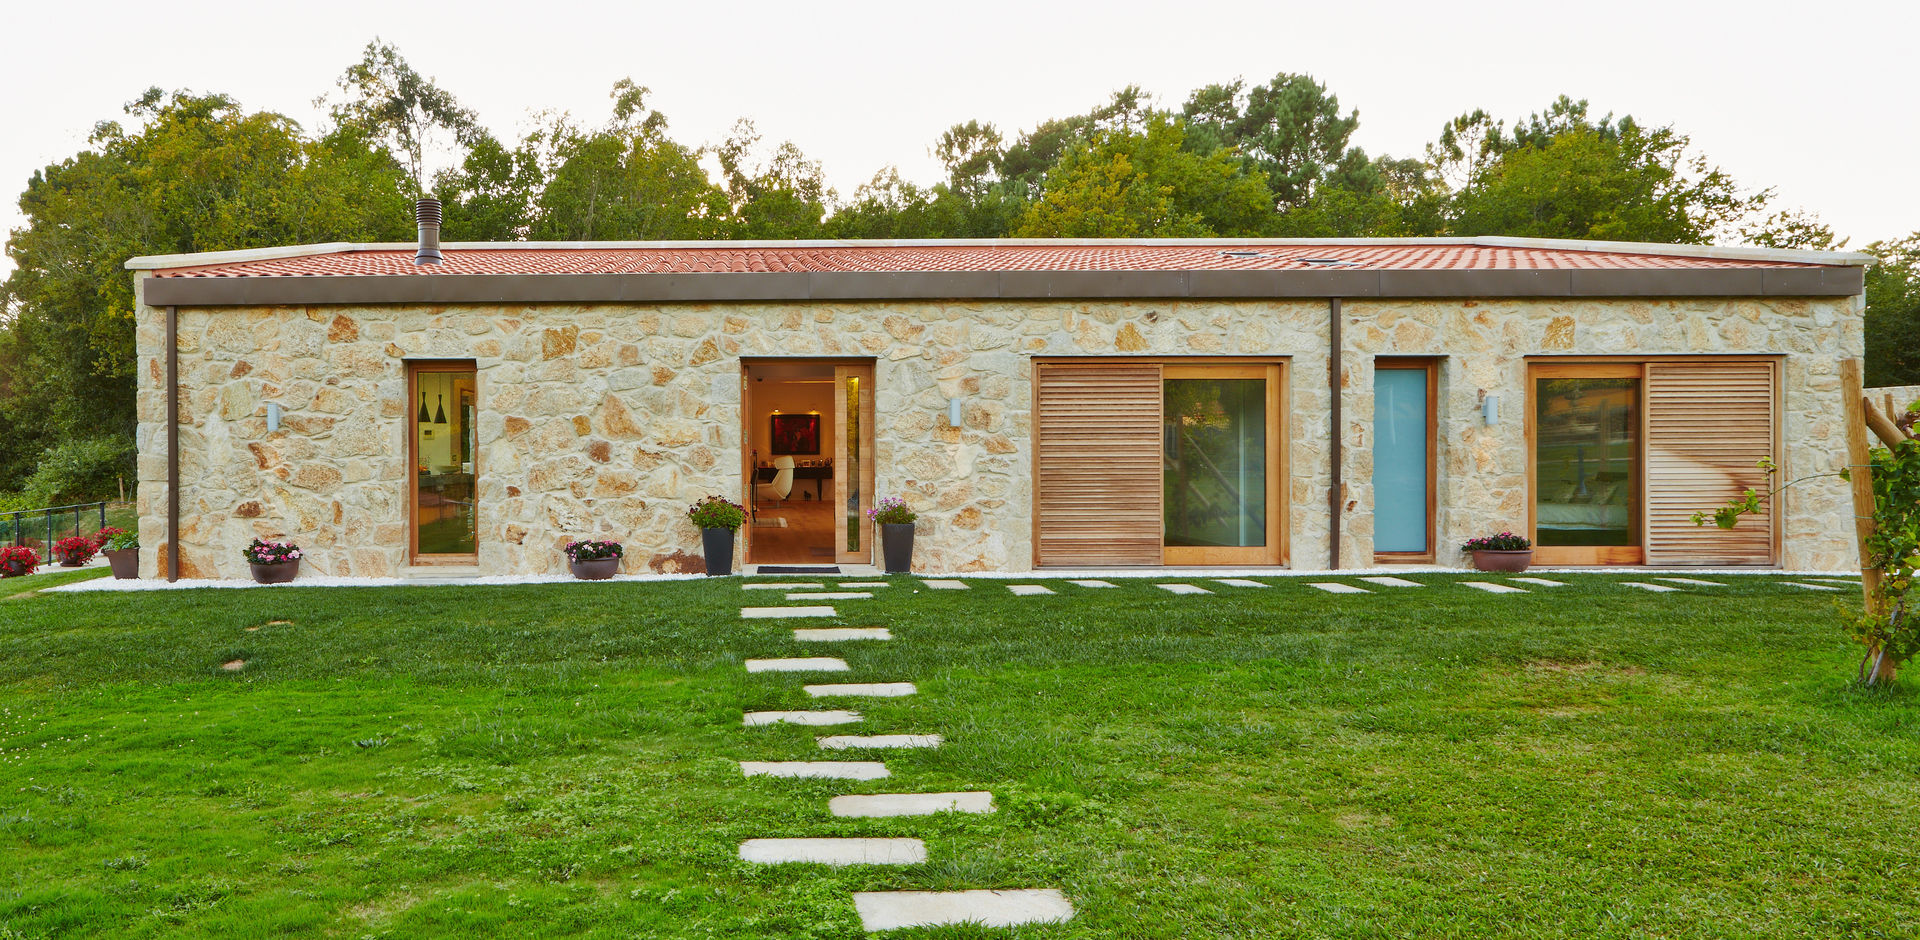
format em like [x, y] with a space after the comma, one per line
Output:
[1815, 100]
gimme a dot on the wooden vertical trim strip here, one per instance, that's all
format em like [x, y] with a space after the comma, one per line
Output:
[173, 443]
[1336, 480]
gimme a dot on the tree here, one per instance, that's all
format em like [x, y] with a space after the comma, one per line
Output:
[780, 194]
[1290, 128]
[626, 180]
[1893, 313]
[385, 100]
[1125, 183]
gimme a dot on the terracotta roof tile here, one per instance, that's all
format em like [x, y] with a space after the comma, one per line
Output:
[804, 258]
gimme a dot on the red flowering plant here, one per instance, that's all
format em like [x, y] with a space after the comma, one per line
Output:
[271, 553]
[75, 550]
[17, 561]
[105, 535]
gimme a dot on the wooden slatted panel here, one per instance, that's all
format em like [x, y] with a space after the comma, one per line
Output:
[1097, 463]
[1708, 423]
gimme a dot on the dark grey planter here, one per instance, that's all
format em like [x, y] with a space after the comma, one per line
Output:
[124, 561]
[276, 574]
[717, 544]
[896, 545]
[597, 569]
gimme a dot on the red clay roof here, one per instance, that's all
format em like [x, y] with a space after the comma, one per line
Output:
[720, 257]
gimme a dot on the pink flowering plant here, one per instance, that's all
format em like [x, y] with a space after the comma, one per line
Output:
[1504, 542]
[75, 550]
[271, 553]
[589, 550]
[716, 512]
[17, 561]
[892, 510]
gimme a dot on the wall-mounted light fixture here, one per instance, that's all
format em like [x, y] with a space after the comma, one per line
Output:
[953, 412]
[273, 416]
[1490, 410]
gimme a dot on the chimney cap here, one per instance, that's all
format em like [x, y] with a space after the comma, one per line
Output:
[427, 213]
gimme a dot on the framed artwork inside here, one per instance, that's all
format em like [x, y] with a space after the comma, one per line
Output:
[796, 434]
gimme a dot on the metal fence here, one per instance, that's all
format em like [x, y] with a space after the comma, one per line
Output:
[54, 523]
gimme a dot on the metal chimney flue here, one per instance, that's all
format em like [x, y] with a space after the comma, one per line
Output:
[427, 213]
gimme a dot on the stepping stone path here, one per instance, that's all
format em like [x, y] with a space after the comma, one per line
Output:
[815, 769]
[812, 664]
[1812, 587]
[834, 851]
[891, 910]
[867, 689]
[1392, 582]
[910, 804]
[829, 596]
[1492, 588]
[1855, 582]
[1183, 588]
[1092, 583]
[862, 584]
[784, 586]
[1335, 587]
[946, 585]
[759, 719]
[1691, 581]
[835, 634]
[1028, 590]
[767, 613]
[1648, 587]
[1543, 582]
[1238, 582]
[850, 742]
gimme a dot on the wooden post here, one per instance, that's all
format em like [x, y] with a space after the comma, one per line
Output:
[1860, 476]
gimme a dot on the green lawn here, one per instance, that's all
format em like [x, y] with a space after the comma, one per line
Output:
[1584, 761]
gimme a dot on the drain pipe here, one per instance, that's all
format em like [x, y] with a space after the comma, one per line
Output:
[1337, 484]
[173, 444]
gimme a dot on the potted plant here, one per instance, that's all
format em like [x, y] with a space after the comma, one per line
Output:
[1503, 552]
[105, 535]
[273, 562]
[74, 551]
[18, 560]
[123, 553]
[896, 533]
[718, 519]
[592, 560]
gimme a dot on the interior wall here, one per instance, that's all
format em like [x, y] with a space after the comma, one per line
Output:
[789, 397]
[442, 389]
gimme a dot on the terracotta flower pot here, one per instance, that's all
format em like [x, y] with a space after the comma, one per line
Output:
[125, 563]
[276, 574]
[598, 569]
[68, 561]
[1489, 560]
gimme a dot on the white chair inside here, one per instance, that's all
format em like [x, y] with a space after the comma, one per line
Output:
[782, 483]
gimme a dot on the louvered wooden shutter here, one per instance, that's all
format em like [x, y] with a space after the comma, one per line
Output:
[1708, 423]
[1097, 464]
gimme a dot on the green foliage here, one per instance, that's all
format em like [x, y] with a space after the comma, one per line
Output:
[717, 512]
[626, 181]
[81, 470]
[384, 99]
[1894, 548]
[1290, 129]
[1893, 313]
[1124, 183]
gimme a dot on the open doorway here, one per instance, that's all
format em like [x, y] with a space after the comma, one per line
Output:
[808, 469]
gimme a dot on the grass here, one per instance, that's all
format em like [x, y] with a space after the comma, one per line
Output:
[1583, 761]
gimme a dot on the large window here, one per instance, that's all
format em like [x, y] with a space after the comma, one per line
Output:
[443, 498]
[1403, 459]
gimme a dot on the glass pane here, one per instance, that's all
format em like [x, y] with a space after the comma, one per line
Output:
[852, 433]
[1400, 460]
[1215, 442]
[443, 449]
[1587, 455]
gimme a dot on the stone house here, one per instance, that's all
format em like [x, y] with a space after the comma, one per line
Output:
[1042, 404]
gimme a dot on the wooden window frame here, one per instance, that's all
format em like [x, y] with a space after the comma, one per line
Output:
[1278, 372]
[1432, 366]
[416, 368]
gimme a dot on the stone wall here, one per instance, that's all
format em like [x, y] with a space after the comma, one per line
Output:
[607, 420]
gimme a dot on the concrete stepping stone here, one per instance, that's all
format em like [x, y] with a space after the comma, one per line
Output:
[1812, 587]
[768, 613]
[863, 584]
[784, 586]
[849, 742]
[1692, 581]
[1335, 587]
[1492, 588]
[1183, 588]
[1029, 590]
[762, 719]
[1093, 583]
[1543, 582]
[1644, 586]
[815, 769]
[892, 910]
[1849, 582]
[910, 804]
[810, 664]
[829, 596]
[1238, 582]
[1393, 582]
[871, 689]
[834, 851]
[946, 584]
[835, 634]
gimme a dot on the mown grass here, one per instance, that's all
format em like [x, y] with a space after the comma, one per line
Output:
[1590, 760]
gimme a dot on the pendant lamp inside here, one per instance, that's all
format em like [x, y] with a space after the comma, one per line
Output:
[440, 409]
[424, 417]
